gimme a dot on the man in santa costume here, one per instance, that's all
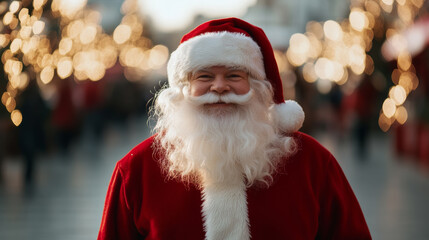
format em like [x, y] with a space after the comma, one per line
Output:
[227, 160]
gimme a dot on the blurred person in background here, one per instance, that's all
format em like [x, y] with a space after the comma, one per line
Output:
[364, 99]
[227, 160]
[64, 116]
[31, 132]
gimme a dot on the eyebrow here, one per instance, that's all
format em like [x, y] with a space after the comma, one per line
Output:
[206, 70]
[230, 68]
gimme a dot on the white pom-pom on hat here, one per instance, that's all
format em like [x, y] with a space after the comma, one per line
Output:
[288, 116]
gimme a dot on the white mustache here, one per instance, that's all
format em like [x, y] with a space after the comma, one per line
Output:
[210, 98]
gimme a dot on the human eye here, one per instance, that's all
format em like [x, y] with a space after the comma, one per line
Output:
[237, 76]
[203, 77]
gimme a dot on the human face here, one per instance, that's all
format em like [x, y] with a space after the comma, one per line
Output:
[219, 80]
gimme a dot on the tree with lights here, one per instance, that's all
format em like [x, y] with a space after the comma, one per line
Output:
[48, 44]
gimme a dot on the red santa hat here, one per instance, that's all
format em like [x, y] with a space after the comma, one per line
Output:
[234, 42]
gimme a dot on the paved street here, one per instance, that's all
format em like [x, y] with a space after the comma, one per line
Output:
[66, 199]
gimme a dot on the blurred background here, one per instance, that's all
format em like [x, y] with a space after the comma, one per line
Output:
[78, 76]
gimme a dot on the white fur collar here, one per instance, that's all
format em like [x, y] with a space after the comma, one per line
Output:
[225, 211]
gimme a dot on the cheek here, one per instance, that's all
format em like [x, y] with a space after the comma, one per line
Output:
[242, 88]
[197, 89]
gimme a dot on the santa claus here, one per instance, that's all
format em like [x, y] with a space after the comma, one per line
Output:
[226, 160]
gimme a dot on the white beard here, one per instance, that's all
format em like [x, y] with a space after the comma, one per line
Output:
[222, 151]
[237, 143]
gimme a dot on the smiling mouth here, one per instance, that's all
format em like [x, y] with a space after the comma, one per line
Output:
[218, 104]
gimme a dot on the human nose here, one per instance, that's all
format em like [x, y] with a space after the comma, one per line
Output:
[220, 85]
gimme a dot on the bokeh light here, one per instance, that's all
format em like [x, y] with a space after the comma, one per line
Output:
[333, 30]
[16, 117]
[389, 107]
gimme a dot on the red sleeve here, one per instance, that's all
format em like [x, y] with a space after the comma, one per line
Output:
[340, 214]
[117, 221]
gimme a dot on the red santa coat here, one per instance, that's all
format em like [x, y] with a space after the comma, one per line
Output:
[309, 199]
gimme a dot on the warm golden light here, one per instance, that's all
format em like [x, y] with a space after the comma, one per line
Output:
[316, 46]
[14, 81]
[373, 8]
[337, 73]
[389, 107]
[401, 115]
[405, 13]
[10, 104]
[404, 60]
[96, 72]
[68, 8]
[109, 56]
[47, 74]
[333, 30]
[357, 59]
[299, 46]
[401, 2]
[408, 81]
[64, 67]
[38, 27]
[16, 68]
[4, 40]
[398, 94]
[133, 57]
[418, 3]
[299, 43]
[24, 79]
[5, 97]
[388, 2]
[323, 68]
[7, 18]
[65, 45]
[358, 19]
[37, 4]
[23, 15]
[14, 6]
[16, 117]
[12, 91]
[308, 72]
[315, 28]
[398, 43]
[15, 45]
[47, 60]
[88, 34]
[25, 32]
[324, 86]
[75, 28]
[295, 59]
[158, 56]
[384, 123]
[14, 23]
[122, 33]
[281, 60]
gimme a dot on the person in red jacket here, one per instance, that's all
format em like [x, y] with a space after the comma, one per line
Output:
[227, 160]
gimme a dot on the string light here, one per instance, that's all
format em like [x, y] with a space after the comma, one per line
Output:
[81, 50]
[339, 51]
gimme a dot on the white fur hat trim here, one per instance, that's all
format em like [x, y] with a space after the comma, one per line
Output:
[215, 49]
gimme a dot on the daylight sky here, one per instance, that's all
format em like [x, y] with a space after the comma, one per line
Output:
[170, 15]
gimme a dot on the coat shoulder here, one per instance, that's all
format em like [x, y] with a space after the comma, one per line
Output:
[135, 158]
[308, 144]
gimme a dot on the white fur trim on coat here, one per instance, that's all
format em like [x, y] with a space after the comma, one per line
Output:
[288, 116]
[215, 49]
[225, 211]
